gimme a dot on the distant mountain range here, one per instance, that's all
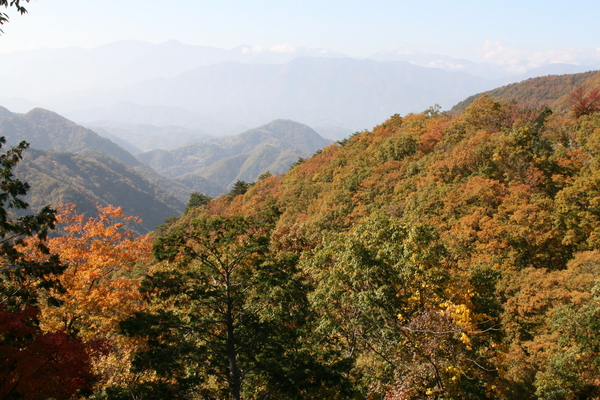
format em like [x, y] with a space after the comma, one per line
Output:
[321, 92]
[71, 163]
[222, 92]
[482, 70]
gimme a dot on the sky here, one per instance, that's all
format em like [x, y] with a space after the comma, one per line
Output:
[501, 32]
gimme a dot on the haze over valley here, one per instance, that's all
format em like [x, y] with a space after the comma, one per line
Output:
[190, 93]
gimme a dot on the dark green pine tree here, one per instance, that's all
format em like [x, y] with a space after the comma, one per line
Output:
[21, 278]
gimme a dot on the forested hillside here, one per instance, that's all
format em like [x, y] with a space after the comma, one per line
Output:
[91, 179]
[72, 164]
[551, 90]
[433, 257]
[50, 131]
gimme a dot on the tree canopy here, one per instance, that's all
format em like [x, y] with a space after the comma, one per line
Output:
[34, 364]
[432, 257]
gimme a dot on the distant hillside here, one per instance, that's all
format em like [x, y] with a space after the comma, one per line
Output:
[272, 147]
[248, 166]
[93, 178]
[548, 90]
[68, 163]
[149, 137]
[47, 130]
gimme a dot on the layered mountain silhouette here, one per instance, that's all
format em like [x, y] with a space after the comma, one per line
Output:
[343, 92]
[222, 92]
[72, 164]
[272, 147]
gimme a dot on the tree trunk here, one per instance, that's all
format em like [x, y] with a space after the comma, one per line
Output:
[235, 380]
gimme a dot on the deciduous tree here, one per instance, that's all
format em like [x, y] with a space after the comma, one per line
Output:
[97, 291]
[584, 102]
[33, 364]
[228, 318]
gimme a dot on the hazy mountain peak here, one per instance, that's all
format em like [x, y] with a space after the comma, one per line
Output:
[41, 113]
[46, 129]
[280, 133]
[4, 112]
[283, 123]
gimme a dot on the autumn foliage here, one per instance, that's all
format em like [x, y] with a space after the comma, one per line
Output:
[435, 256]
[98, 290]
[450, 256]
[33, 364]
[99, 253]
[36, 365]
[584, 102]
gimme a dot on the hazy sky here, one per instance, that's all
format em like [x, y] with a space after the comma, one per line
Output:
[497, 31]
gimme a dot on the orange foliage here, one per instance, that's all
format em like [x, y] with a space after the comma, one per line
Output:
[434, 133]
[510, 192]
[98, 253]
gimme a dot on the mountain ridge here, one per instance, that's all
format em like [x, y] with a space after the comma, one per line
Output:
[222, 91]
[273, 146]
[550, 90]
[69, 163]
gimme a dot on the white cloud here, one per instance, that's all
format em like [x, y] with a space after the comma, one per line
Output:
[279, 48]
[254, 49]
[445, 64]
[520, 59]
[283, 48]
[398, 51]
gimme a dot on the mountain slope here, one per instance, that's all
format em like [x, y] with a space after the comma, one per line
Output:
[47, 130]
[272, 147]
[92, 178]
[248, 166]
[69, 163]
[550, 90]
[474, 237]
